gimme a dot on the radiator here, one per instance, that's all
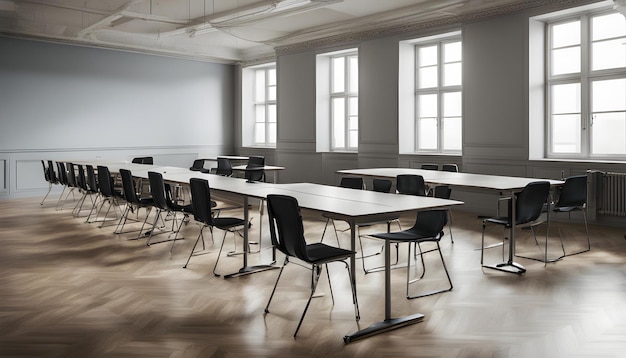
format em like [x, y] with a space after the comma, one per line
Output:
[612, 194]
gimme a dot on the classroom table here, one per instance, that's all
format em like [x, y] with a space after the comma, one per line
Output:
[506, 185]
[351, 206]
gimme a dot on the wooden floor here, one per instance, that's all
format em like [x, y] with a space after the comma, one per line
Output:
[70, 289]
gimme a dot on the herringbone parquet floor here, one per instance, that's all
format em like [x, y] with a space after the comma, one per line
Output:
[70, 289]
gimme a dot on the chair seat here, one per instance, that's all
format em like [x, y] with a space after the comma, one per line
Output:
[319, 252]
[225, 223]
[565, 209]
[146, 201]
[408, 236]
[500, 221]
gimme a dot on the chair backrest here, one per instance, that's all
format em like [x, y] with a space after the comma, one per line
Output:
[201, 200]
[442, 192]
[529, 202]
[51, 174]
[381, 185]
[62, 173]
[198, 165]
[286, 229]
[92, 183]
[255, 162]
[71, 175]
[573, 192]
[143, 160]
[449, 168]
[430, 223]
[128, 186]
[157, 190]
[224, 167]
[430, 166]
[411, 184]
[46, 171]
[351, 183]
[105, 181]
[80, 179]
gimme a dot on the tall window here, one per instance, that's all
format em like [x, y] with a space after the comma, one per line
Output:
[265, 106]
[258, 110]
[344, 101]
[438, 96]
[586, 86]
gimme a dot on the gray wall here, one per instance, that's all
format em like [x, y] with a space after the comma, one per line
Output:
[69, 102]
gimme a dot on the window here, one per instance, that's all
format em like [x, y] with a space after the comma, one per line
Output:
[259, 106]
[586, 86]
[338, 101]
[430, 88]
[344, 95]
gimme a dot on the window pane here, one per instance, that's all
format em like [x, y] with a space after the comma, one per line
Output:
[259, 115]
[427, 56]
[608, 26]
[427, 105]
[452, 104]
[272, 133]
[354, 74]
[566, 60]
[566, 133]
[259, 86]
[567, 34]
[452, 52]
[427, 77]
[609, 95]
[609, 133]
[271, 77]
[452, 133]
[566, 98]
[354, 106]
[271, 93]
[608, 54]
[271, 113]
[452, 74]
[339, 122]
[259, 133]
[354, 139]
[338, 74]
[427, 133]
[353, 123]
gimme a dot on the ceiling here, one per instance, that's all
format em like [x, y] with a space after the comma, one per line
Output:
[229, 30]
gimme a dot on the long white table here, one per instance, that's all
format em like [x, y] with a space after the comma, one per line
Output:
[503, 184]
[349, 205]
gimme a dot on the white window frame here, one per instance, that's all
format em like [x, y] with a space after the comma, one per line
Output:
[250, 106]
[347, 95]
[408, 82]
[585, 79]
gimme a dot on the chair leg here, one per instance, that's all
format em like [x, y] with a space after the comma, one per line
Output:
[315, 276]
[443, 262]
[586, 231]
[46, 196]
[220, 254]
[200, 235]
[267, 307]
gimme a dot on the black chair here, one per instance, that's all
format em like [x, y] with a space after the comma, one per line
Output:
[143, 160]
[382, 185]
[287, 233]
[252, 173]
[198, 166]
[70, 180]
[444, 192]
[428, 227]
[529, 206]
[202, 213]
[133, 201]
[62, 177]
[109, 193]
[573, 197]
[162, 201]
[346, 182]
[83, 189]
[449, 168]
[224, 167]
[430, 166]
[410, 184]
[93, 189]
[50, 177]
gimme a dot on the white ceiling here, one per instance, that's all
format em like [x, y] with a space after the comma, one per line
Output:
[228, 30]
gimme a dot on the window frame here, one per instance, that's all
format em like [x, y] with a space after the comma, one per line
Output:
[267, 104]
[348, 94]
[440, 90]
[585, 78]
